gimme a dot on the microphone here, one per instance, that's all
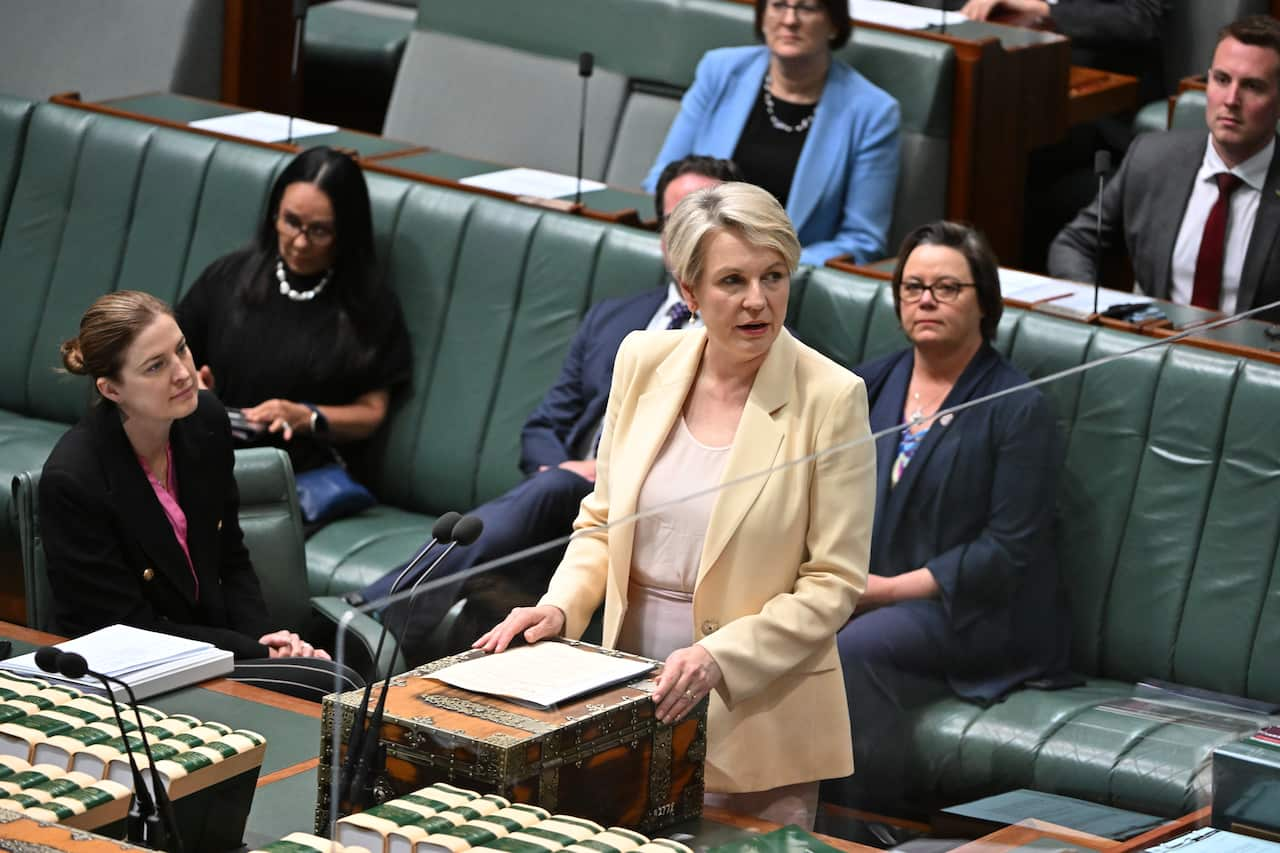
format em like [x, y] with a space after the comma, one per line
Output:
[145, 818]
[299, 21]
[586, 64]
[1101, 165]
[441, 531]
[465, 532]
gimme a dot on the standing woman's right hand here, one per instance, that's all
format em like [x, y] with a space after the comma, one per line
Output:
[536, 623]
[204, 376]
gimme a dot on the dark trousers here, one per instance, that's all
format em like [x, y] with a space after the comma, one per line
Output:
[538, 510]
[303, 678]
[894, 661]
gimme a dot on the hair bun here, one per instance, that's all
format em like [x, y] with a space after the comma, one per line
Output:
[72, 357]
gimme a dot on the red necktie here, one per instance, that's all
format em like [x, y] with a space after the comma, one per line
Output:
[1207, 290]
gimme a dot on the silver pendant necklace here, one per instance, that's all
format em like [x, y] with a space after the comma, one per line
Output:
[917, 415]
[778, 123]
[300, 295]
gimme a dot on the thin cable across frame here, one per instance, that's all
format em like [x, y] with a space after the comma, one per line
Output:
[371, 606]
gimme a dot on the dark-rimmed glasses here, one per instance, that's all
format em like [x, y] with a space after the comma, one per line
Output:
[318, 233]
[802, 9]
[943, 291]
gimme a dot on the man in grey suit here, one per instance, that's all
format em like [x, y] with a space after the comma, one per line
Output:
[1200, 216]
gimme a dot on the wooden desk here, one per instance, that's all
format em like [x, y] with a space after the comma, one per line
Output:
[375, 153]
[1031, 831]
[285, 797]
[1244, 338]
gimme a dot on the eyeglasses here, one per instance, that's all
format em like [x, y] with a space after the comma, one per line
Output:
[318, 233]
[942, 291]
[802, 9]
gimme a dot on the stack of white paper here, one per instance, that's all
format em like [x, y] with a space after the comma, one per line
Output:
[544, 674]
[263, 127]
[151, 663]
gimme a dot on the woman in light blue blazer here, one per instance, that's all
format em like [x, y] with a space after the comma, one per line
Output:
[801, 124]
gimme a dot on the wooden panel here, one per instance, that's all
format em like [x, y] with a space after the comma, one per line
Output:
[257, 53]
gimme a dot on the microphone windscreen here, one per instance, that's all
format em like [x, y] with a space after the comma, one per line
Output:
[467, 530]
[47, 658]
[586, 63]
[442, 530]
[1101, 162]
[73, 665]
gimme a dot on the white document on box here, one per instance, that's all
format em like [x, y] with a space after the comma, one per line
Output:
[263, 127]
[901, 15]
[544, 674]
[531, 182]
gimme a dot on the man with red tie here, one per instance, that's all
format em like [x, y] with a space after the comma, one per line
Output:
[1200, 217]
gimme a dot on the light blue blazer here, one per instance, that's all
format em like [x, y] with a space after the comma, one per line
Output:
[841, 198]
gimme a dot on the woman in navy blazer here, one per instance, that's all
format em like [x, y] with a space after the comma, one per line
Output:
[840, 195]
[964, 595]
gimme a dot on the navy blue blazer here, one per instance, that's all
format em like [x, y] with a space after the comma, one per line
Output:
[574, 406]
[976, 506]
[841, 198]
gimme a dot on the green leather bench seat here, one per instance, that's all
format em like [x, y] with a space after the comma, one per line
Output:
[1167, 537]
[358, 37]
[352, 51]
[1167, 529]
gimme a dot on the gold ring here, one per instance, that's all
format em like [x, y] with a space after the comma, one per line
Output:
[691, 697]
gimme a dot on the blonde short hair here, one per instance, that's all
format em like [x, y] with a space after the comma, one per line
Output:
[745, 208]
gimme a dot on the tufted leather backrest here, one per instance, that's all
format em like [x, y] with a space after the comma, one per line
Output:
[103, 204]
[1167, 530]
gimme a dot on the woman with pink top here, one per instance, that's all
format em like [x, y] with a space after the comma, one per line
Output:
[139, 510]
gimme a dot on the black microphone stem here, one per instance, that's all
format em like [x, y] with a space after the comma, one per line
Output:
[142, 797]
[443, 529]
[163, 806]
[369, 744]
[582, 136]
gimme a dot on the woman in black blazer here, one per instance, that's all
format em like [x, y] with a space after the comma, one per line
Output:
[139, 509]
[964, 596]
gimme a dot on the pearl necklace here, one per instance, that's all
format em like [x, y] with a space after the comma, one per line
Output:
[778, 123]
[299, 295]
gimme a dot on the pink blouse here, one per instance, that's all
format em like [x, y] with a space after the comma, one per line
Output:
[168, 498]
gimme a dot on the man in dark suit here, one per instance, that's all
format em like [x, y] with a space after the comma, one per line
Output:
[1199, 214]
[558, 446]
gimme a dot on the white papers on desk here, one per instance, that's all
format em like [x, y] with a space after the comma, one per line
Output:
[544, 674]
[531, 182]
[262, 127]
[150, 662]
[1059, 296]
[1210, 840]
[902, 15]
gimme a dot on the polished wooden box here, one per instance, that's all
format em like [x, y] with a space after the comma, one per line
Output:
[604, 757]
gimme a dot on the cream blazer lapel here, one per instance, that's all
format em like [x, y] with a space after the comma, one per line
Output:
[755, 448]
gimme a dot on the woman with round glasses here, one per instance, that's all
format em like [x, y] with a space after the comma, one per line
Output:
[963, 597]
[801, 124]
[295, 330]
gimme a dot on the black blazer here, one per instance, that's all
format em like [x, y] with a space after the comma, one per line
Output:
[112, 556]
[975, 505]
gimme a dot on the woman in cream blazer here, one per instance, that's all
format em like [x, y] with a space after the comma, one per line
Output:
[785, 553]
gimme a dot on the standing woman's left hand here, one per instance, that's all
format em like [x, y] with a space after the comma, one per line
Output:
[688, 675]
[280, 416]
